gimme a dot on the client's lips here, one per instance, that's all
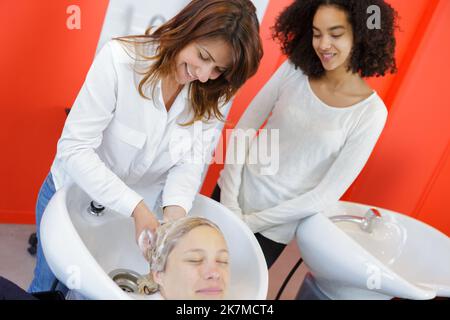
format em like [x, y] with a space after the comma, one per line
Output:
[210, 291]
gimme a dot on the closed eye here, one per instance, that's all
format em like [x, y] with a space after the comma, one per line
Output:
[335, 36]
[202, 57]
[220, 70]
[194, 261]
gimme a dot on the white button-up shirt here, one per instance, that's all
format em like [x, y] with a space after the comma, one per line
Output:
[121, 148]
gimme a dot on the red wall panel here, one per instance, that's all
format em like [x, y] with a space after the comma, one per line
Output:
[43, 66]
[408, 157]
[434, 209]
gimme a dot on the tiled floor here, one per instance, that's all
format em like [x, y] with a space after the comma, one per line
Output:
[17, 265]
[280, 270]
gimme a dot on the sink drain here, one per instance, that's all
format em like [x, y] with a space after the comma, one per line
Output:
[125, 279]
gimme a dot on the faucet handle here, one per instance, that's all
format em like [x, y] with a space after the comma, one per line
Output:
[373, 213]
[368, 220]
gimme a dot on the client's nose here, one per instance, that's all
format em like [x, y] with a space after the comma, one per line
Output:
[212, 271]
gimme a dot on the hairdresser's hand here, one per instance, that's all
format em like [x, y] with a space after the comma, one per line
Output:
[144, 219]
[173, 213]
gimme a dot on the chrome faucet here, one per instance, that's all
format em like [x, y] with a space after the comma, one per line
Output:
[365, 223]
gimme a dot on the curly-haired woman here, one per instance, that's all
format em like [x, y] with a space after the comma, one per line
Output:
[328, 118]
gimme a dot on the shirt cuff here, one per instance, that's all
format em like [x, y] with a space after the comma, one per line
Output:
[185, 203]
[128, 203]
[255, 223]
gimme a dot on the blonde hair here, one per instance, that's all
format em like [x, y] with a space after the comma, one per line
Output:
[167, 237]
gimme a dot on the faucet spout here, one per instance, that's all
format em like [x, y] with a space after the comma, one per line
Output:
[366, 223]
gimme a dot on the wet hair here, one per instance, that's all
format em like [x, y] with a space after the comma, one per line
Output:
[167, 237]
[373, 52]
[233, 21]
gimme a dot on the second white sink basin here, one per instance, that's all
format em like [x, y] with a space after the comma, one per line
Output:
[402, 257]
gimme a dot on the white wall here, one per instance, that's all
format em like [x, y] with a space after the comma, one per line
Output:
[126, 17]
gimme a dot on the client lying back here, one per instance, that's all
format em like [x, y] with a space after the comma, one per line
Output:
[188, 259]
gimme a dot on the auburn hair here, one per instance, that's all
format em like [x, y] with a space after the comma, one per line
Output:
[233, 21]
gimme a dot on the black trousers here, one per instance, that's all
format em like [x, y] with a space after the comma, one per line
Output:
[271, 249]
[11, 291]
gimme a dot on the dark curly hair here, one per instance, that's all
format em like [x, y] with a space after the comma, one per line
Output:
[373, 52]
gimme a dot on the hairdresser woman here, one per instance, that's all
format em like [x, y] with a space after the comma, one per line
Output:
[144, 99]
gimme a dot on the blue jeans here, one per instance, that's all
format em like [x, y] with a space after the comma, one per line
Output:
[43, 276]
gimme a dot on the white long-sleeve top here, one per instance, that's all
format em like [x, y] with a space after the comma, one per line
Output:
[322, 149]
[121, 148]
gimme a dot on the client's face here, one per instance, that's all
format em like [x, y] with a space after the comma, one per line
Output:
[197, 267]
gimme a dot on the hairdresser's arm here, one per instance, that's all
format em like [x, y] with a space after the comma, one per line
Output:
[173, 213]
[184, 179]
[91, 113]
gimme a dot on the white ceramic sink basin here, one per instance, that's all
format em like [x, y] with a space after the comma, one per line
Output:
[402, 257]
[82, 249]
